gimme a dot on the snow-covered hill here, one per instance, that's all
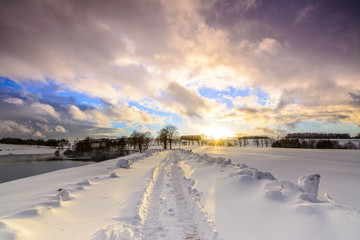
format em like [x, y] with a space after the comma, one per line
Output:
[176, 194]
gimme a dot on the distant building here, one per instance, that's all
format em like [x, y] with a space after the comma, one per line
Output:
[190, 139]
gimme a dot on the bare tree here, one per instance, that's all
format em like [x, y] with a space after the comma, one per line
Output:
[167, 135]
[140, 140]
[163, 137]
[172, 133]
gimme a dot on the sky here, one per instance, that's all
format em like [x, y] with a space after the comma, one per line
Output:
[106, 68]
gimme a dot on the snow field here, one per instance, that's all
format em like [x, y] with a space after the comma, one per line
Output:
[253, 204]
[10, 149]
[172, 195]
[72, 203]
[339, 169]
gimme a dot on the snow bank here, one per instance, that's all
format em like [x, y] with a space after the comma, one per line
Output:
[72, 203]
[249, 197]
[127, 162]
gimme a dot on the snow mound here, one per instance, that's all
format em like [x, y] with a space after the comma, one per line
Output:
[127, 162]
[64, 195]
[7, 233]
[114, 175]
[29, 213]
[115, 232]
[310, 183]
[280, 190]
[123, 163]
[254, 174]
[53, 204]
[85, 182]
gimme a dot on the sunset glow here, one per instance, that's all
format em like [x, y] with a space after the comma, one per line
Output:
[87, 68]
[217, 132]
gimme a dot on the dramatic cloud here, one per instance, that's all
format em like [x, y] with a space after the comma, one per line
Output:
[140, 64]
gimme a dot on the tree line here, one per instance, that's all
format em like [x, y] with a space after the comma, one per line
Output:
[312, 143]
[38, 142]
[137, 141]
[319, 135]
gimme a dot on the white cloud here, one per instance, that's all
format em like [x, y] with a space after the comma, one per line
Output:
[60, 129]
[269, 46]
[8, 127]
[247, 101]
[39, 134]
[44, 110]
[77, 113]
[16, 101]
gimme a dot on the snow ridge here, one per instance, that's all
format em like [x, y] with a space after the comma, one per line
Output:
[126, 162]
[303, 196]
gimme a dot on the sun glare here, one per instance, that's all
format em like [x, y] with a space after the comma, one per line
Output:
[218, 132]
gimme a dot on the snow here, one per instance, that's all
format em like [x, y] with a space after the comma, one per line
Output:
[10, 149]
[209, 193]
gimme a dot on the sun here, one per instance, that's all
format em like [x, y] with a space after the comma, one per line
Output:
[218, 132]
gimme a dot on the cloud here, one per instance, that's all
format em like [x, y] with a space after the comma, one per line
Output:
[60, 129]
[266, 130]
[9, 127]
[304, 13]
[269, 46]
[290, 115]
[188, 102]
[76, 113]
[248, 101]
[44, 110]
[160, 54]
[16, 101]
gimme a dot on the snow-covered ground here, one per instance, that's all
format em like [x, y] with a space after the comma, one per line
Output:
[7, 149]
[181, 195]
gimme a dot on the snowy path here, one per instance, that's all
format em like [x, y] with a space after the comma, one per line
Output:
[169, 209]
[165, 212]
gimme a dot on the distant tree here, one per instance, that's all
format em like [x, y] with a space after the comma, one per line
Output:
[256, 141]
[122, 143]
[350, 145]
[266, 142]
[245, 142]
[84, 146]
[172, 133]
[140, 140]
[168, 134]
[163, 137]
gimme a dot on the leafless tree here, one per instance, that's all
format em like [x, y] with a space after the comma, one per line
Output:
[168, 135]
